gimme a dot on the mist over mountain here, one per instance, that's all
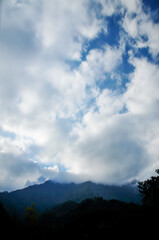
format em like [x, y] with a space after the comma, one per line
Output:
[49, 194]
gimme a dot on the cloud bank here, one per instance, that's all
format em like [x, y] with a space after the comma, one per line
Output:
[78, 91]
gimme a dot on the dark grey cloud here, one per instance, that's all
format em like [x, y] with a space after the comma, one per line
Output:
[15, 170]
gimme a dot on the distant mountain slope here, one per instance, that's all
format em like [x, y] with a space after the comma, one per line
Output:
[49, 194]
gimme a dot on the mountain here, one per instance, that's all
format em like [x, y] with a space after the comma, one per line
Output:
[49, 194]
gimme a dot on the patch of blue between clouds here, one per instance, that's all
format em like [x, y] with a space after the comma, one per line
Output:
[145, 52]
[153, 5]
[124, 110]
[7, 134]
[111, 37]
[121, 74]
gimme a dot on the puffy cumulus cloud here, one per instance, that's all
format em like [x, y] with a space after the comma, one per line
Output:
[19, 170]
[117, 139]
[39, 105]
[65, 23]
[143, 30]
[14, 145]
[37, 80]
[133, 6]
[56, 108]
[108, 7]
[137, 23]
[108, 153]
[58, 26]
[16, 167]
[142, 93]
[119, 6]
[72, 97]
[38, 91]
[100, 62]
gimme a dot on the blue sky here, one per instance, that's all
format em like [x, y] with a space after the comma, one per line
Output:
[79, 91]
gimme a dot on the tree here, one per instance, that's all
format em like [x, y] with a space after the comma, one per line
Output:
[149, 190]
[32, 215]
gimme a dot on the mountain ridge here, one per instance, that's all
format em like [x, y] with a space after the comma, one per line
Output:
[50, 193]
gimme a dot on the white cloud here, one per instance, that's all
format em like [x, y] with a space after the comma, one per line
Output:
[63, 26]
[115, 146]
[16, 145]
[144, 31]
[52, 169]
[142, 94]
[132, 6]
[109, 152]
[110, 7]
[28, 101]
[151, 31]
[137, 23]
[100, 62]
[53, 103]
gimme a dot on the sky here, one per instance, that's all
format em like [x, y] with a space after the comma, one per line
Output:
[79, 91]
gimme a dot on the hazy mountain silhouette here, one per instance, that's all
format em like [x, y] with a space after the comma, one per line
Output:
[49, 194]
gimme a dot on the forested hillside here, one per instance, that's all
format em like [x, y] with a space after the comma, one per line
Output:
[49, 194]
[92, 218]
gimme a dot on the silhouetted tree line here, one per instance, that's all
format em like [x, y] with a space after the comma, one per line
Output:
[91, 219]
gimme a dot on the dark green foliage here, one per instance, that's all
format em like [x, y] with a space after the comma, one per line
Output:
[91, 219]
[32, 215]
[98, 219]
[149, 190]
